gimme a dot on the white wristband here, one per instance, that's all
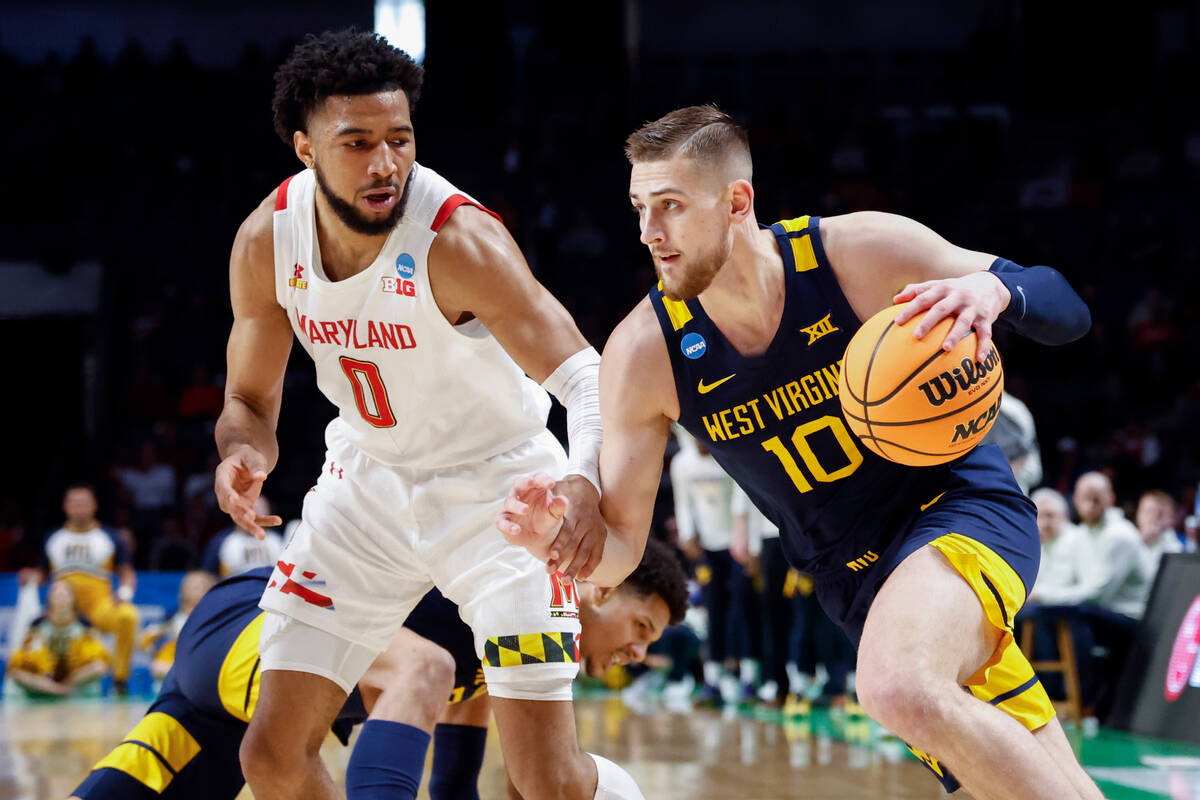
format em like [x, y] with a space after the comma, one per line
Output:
[576, 384]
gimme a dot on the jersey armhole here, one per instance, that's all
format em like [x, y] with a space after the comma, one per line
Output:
[451, 204]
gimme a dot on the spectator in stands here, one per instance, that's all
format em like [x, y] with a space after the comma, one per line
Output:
[1155, 521]
[234, 550]
[151, 487]
[703, 494]
[162, 637]
[60, 653]
[1120, 591]
[1119, 585]
[173, 550]
[1065, 574]
[84, 554]
[1015, 434]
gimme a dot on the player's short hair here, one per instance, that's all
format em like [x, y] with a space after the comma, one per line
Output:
[1050, 495]
[660, 573]
[79, 486]
[345, 62]
[1163, 499]
[703, 133]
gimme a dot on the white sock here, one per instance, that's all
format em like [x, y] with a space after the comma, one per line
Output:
[712, 673]
[614, 783]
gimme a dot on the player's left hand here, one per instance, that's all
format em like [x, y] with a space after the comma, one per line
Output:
[532, 514]
[975, 300]
[577, 550]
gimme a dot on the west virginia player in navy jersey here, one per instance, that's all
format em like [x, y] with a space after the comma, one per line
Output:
[742, 342]
[187, 744]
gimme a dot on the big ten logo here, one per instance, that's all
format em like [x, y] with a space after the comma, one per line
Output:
[399, 286]
[564, 597]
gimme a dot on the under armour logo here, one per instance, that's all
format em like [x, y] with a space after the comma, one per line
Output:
[822, 327]
[335, 470]
[297, 279]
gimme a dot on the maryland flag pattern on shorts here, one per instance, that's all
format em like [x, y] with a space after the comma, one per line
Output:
[530, 648]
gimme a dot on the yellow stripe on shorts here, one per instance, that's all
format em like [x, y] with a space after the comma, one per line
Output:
[238, 680]
[153, 752]
[557, 647]
[1007, 681]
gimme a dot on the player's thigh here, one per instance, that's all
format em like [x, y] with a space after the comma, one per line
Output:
[293, 715]
[524, 621]
[413, 671]
[925, 621]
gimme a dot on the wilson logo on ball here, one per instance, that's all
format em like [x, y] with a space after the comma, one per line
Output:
[944, 387]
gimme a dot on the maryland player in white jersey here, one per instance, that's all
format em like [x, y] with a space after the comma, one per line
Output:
[423, 321]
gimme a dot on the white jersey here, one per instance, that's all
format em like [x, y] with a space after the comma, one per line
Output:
[235, 551]
[411, 389]
[703, 493]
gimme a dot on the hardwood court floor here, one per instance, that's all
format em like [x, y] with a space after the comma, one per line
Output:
[46, 749]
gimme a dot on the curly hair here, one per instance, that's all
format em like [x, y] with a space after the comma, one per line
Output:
[660, 573]
[345, 62]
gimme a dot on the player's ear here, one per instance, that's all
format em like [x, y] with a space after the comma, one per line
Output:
[602, 594]
[304, 150]
[741, 200]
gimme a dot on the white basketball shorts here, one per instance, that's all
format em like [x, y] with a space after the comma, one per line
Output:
[373, 539]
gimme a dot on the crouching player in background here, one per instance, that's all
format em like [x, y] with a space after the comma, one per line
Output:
[187, 744]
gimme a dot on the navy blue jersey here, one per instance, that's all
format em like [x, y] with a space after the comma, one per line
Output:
[775, 424]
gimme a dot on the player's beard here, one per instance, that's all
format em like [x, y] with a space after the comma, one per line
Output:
[354, 219]
[698, 275]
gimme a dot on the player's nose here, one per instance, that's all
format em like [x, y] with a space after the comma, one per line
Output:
[651, 230]
[637, 652]
[384, 163]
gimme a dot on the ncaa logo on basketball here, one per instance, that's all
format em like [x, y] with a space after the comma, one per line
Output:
[406, 267]
[943, 387]
[693, 345]
[976, 426]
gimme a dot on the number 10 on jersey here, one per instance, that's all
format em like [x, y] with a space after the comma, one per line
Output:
[370, 395]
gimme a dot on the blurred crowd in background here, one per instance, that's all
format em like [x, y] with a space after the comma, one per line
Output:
[1019, 143]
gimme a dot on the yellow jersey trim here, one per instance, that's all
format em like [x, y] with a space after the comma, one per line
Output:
[677, 310]
[802, 247]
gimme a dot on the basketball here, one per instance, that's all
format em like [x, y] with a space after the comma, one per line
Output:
[912, 402]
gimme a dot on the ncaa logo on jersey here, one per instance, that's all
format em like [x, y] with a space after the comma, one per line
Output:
[406, 267]
[693, 345]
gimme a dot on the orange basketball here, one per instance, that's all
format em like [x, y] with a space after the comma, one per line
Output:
[912, 402]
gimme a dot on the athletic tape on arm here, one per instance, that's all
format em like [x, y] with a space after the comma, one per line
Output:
[576, 384]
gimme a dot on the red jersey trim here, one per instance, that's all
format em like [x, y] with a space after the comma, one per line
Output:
[448, 207]
[281, 194]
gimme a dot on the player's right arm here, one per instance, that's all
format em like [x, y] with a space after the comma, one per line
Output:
[637, 403]
[256, 359]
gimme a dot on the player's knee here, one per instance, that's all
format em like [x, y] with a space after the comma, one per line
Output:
[568, 779]
[267, 760]
[903, 703]
[422, 680]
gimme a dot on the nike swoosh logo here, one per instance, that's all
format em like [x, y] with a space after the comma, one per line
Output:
[931, 502]
[703, 388]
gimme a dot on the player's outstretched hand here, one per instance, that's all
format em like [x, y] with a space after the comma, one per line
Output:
[238, 483]
[975, 300]
[532, 514]
[577, 550]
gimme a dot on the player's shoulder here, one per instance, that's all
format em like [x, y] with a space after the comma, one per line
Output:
[468, 234]
[256, 234]
[636, 355]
